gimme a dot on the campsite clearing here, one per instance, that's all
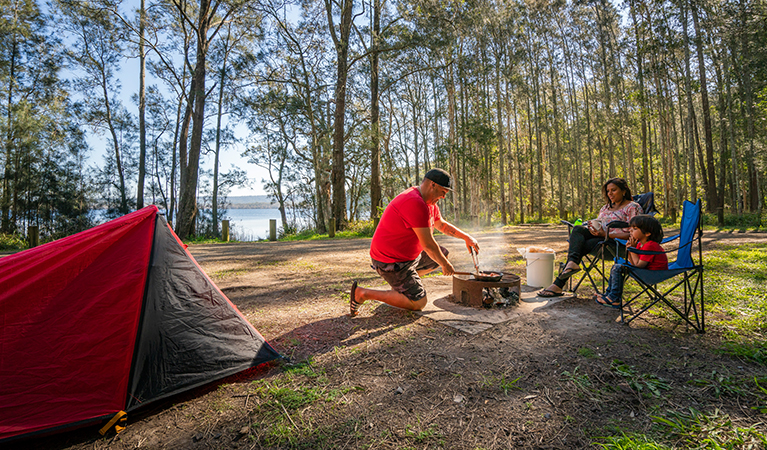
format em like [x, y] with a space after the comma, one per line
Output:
[564, 376]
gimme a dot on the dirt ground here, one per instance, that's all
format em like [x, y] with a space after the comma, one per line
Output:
[552, 379]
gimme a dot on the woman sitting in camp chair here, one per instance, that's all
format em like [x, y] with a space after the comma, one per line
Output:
[619, 206]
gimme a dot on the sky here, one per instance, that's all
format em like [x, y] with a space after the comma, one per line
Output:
[230, 157]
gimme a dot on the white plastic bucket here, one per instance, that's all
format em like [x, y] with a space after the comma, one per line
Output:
[540, 269]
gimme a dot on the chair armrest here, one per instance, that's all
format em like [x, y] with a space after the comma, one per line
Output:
[669, 239]
[647, 252]
[617, 224]
[570, 226]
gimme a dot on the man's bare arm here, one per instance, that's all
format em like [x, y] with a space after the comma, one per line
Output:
[449, 229]
[430, 246]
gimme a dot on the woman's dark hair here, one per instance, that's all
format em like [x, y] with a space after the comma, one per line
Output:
[648, 224]
[622, 184]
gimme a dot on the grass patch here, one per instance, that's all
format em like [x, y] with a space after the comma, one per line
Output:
[586, 352]
[630, 442]
[695, 429]
[754, 351]
[719, 384]
[424, 435]
[761, 406]
[357, 229]
[736, 284]
[222, 274]
[502, 383]
[643, 383]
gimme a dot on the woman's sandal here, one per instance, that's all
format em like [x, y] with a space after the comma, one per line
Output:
[354, 306]
[604, 300]
[546, 293]
[568, 273]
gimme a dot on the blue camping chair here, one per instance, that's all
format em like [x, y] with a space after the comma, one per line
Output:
[608, 249]
[692, 309]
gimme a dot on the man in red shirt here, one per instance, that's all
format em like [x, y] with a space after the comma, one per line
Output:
[403, 247]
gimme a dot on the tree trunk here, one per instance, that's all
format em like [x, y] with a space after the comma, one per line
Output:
[501, 143]
[141, 110]
[217, 151]
[342, 53]
[375, 146]
[712, 199]
[689, 143]
[6, 225]
[187, 209]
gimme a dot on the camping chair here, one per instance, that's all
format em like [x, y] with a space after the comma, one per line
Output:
[692, 309]
[608, 249]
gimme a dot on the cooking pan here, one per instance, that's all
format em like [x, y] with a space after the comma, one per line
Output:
[483, 276]
[478, 274]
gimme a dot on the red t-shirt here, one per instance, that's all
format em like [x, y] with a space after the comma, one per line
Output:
[655, 262]
[394, 239]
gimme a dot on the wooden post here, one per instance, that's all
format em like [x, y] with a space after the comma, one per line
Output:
[272, 229]
[332, 227]
[33, 234]
[225, 230]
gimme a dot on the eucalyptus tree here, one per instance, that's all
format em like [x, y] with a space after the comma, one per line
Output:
[97, 45]
[28, 71]
[341, 11]
[296, 55]
[237, 44]
[159, 130]
[206, 20]
[276, 129]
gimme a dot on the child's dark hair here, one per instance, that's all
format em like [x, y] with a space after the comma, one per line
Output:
[648, 224]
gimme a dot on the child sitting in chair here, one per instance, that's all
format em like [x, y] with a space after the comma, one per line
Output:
[645, 234]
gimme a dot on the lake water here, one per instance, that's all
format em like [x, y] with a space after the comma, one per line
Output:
[246, 224]
[252, 224]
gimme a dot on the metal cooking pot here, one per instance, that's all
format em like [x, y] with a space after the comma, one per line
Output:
[483, 276]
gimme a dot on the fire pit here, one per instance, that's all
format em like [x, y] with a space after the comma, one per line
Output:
[471, 292]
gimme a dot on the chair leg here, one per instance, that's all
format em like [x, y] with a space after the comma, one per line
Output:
[689, 312]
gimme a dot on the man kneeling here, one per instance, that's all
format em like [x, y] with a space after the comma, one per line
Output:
[404, 249]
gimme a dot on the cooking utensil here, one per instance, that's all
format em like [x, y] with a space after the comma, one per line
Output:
[474, 258]
[483, 276]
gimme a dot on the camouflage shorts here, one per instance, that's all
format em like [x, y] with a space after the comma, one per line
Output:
[403, 276]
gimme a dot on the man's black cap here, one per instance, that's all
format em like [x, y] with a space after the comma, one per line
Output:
[440, 177]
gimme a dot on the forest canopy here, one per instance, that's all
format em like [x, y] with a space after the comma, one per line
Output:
[531, 105]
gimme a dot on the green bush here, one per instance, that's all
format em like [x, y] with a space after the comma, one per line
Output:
[12, 242]
[745, 220]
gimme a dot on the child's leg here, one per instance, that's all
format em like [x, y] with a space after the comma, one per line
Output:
[615, 285]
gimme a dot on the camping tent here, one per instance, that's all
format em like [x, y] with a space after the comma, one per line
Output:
[108, 320]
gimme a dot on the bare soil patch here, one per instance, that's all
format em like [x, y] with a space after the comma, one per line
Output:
[545, 380]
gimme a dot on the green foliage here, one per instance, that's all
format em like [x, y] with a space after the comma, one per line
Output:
[643, 383]
[586, 352]
[503, 384]
[581, 380]
[306, 368]
[630, 442]
[720, 384]
[695, 429]
[762, 406]
[755, 351]
[745, 221]
[12, 242]
[356, 229]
